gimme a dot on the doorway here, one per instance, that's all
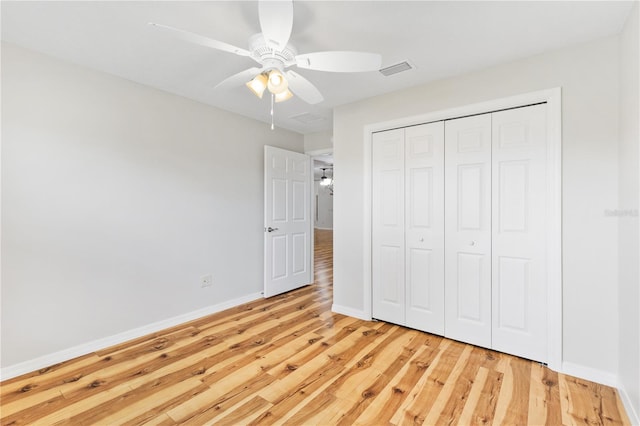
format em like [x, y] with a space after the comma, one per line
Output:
[323, 187]
[323, 192]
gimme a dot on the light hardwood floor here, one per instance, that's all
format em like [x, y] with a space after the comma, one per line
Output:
[289, 360]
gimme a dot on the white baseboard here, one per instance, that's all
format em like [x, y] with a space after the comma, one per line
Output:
[324, 229]
[634, 416]
[591, 374]
[99, 344]
[350, 312]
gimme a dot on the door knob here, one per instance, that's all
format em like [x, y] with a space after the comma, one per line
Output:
[270, 229]
[421, 239]
[472, 243]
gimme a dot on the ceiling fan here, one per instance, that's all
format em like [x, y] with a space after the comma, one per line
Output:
[272, 50]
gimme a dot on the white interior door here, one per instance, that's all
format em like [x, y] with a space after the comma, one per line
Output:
[518, 232]
[468, 229]
[424, 230]
[287, 221]
[388, 266]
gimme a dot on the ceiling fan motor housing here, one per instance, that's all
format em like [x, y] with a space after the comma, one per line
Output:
[270, 58]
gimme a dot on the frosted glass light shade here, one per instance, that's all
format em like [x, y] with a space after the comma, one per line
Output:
[281, 97]
[258, 85]
[277, 83]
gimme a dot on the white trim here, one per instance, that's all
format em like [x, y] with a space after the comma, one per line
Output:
[311, 203]
[591, 374]
[634, 416]
[96, 345]
[553, 98]
[319, 152]
[367, 221]
[350, 312]
[554, 229]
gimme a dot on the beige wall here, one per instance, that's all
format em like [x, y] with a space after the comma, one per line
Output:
[318, 141]
[116, 199]
[588, 75]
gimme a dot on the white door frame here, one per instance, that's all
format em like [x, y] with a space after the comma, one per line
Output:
[553, 98]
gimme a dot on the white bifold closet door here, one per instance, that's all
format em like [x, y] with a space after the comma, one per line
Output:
[495, 231]
[519, 187]
[458, 229]
[408, 227]
[468, 229]
[388, 292]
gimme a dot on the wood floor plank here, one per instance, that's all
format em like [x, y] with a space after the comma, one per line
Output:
[513, 403]
[124, 411]
[435, 410]
[473, 398]
[32, 415]
[611, 413]
[290, 360]
[68, 411]
[235, 399]
[312, 413]
[461, 392]
[552, 396]
[565, 401]
[37, 399]
[246, 413]
[519, 406]
[544, 397]
[160, 420]
[20, 388]
[486, 405]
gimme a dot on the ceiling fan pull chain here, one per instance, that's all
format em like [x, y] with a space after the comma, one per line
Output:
[272, 98]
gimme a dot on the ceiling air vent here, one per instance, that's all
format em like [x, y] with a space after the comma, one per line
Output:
[395, 69]
[307, 118]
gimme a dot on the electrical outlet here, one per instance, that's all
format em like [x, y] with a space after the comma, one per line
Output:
[206, 280]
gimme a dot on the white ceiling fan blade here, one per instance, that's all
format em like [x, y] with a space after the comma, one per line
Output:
[238, 79]
[201, 40]
[303, 88]
[276, 21]
[340, 61]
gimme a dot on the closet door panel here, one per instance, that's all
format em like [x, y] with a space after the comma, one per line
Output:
[468, 229]
[424, 231]
[388, 224]
[519, 287]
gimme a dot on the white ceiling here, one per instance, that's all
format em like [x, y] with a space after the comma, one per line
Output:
[439, 38]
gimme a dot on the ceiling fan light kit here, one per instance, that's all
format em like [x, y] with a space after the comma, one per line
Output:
[271, 49]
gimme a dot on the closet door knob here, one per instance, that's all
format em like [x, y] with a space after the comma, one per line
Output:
[472, 243]
[421, 239]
